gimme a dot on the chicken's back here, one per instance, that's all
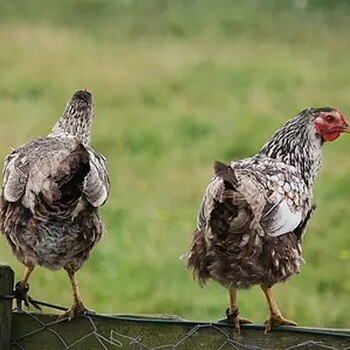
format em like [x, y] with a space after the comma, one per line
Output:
[44, 214]
[250, 224]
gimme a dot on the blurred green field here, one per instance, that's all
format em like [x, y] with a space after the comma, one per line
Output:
[179, 84]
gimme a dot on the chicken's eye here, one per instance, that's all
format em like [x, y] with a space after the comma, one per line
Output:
[329, 118]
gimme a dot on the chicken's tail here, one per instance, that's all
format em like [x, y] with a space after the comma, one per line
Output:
[63, 180]
[226, 173]
[71, 174]
[196, 257]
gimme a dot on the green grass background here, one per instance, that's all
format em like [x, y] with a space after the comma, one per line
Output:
[179, 84]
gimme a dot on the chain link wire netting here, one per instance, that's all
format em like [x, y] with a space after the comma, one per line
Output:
[115, 338]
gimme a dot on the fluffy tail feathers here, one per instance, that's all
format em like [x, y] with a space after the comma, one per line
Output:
[195, 258]
[62, 176]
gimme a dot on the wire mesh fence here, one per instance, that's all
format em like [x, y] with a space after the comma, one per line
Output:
[45, 331]
[94, 331]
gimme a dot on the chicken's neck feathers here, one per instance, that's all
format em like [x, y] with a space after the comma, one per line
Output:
[296, 144]
[74, 123]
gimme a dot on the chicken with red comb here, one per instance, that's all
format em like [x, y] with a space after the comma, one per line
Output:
[255, 211]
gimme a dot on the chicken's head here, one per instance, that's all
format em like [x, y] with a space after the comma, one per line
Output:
[329, 123]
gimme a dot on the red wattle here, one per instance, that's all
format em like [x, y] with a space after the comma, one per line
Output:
[331, 136]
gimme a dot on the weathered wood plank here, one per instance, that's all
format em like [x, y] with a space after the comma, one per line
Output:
[6, 288]
[30, 332]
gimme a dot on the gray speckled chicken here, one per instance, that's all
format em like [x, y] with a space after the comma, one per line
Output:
[52, 189]
[255, 211]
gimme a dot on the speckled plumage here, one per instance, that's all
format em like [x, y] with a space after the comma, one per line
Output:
[245, 239]
[255, 211]
[52, 189]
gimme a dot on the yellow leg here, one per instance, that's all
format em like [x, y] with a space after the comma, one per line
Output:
[233, 300]
[22, 289]
[78, 308]
[75, 288]
[233, 315]
[27, 272]
[276, 318]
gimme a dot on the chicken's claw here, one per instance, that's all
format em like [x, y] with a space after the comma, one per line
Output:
[233, 318]
[21, 295]
[77, 309]
[277, 320]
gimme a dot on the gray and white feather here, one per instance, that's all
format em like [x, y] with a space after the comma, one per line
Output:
[52, 189]
[255, 211]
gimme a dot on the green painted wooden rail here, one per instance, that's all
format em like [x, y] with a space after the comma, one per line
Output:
[40, 331]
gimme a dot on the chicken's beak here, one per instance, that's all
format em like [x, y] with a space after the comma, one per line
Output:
[346, 129]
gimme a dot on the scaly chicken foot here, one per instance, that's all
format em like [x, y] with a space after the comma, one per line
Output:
[22, 289]
[234, 319]
[232, 313]
[276, 318]
[21, 296]
[78, 308]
